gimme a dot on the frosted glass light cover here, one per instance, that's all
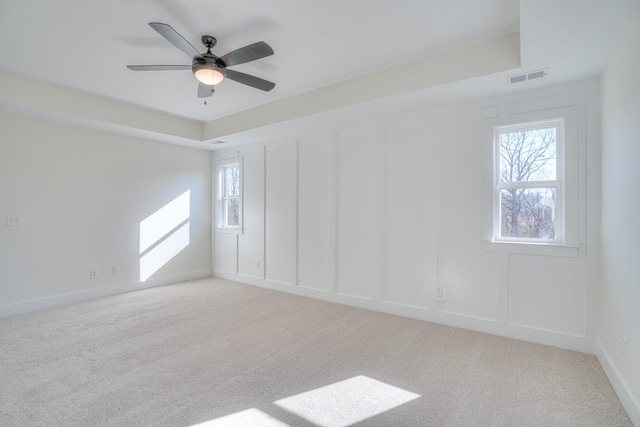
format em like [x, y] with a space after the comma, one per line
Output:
[209, 76]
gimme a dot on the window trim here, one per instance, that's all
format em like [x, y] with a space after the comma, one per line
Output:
[221, 166]
[558, 183]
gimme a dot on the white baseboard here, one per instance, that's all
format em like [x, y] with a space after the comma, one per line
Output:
[70, 298]
[520, 332]
[626, 396]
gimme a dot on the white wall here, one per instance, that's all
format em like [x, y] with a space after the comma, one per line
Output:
[384, 210]
[619, 299]
[82, 195]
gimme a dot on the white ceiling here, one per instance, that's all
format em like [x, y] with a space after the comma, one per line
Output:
[86, 45]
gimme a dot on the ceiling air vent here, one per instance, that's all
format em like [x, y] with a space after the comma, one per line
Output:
[527, 76]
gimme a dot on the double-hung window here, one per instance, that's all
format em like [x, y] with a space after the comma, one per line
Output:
[229, 194]
[529, 182]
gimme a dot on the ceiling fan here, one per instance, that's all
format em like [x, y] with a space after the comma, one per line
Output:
[208, 68]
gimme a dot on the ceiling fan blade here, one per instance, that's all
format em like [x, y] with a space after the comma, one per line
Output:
[175, 38]
[204, 91]
[158, 67]
[249, 80]
[246, 54]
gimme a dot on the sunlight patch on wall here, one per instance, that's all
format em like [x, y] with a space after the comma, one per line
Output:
[165, 219]
[251, 417]
[346, 402]
[164, 234]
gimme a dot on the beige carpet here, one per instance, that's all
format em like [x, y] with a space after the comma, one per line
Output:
[211, 349]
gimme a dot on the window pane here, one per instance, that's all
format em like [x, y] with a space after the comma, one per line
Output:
[528, 155]
[232, 180]
[232, 206]
[528, 213]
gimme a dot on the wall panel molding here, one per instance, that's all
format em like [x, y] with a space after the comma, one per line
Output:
[383, 210]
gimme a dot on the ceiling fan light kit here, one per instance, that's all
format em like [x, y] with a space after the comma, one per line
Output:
[209, 74]
[208, 68]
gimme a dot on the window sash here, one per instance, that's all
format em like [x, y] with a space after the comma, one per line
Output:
[226, 207]
[540, 209]
[226, 185]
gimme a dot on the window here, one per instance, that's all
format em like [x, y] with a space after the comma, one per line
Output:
[229, 194]
[528, 182]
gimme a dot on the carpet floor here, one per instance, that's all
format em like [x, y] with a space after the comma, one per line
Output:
[218, 353]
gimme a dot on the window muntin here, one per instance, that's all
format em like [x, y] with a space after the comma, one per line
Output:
[529, 182]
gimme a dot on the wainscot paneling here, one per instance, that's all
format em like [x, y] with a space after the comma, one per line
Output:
[251, 240]
[316, 211]
[374, 214]
[471, 275]
[280, 212]
[547, 293]
[356, 202]
[406, 201]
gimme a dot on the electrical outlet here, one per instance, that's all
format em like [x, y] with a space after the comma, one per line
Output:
[93, 273]
[257, 264]
[624, 347]
[115, 271]
[14, 221]
[441, 291]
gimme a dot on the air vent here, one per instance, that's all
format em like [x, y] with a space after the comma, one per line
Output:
[216, 142]
[527, 76]
[536, 74]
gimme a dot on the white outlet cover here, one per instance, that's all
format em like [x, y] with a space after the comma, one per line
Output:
[441, 291]
[14, 221]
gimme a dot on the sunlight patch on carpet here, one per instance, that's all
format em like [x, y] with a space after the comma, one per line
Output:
[251, 417]
[346, 402]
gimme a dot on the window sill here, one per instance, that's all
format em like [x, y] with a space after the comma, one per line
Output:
[229, 230]
[546, 249]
